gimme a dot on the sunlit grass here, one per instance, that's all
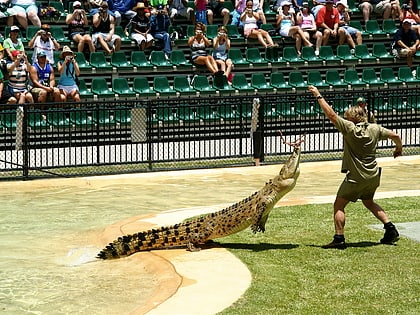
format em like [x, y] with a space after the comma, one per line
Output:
[293, 275]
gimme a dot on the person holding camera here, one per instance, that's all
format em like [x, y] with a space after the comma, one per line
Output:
[18, 77]
[43, 41]
[409, 11]
[13, 42]
[69, 71]
[140, 27]
[221, 46]
[103, 33]
[159, 27]
[198, 44]
[249, 19]
[78, 23]
[43, 80]
[306, 21]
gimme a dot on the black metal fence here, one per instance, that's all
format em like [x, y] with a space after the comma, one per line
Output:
[167, 134]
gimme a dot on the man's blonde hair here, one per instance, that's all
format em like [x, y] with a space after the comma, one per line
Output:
[356, 114]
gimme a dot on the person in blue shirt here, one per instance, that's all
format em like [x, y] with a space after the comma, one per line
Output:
[159, 26]
[120, 8]
[69, 71]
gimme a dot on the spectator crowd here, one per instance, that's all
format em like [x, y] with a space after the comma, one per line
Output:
[91, 25]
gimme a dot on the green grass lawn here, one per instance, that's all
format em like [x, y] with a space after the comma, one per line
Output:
[291, 274]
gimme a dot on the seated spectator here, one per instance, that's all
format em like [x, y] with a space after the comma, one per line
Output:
[327, 21]
[249, 18]
[258, 8]
[317, 4]
[409, 11]
[43, 41]
[306, 22]
[43, 80]
[216, 8]
[240, 6]
[120, 8]
[6, 12]
[351, 33]
[140, 27]
[221, 46]
[201, 11]
[78, 24]
[26, 10]
[18, 70]
[103, 30]
[288, 28]
[5, 96]
[406, 43]
[13, 42]
[198, 44]
[69, 71]
[384, 7]
[159, 27]
[180, 8]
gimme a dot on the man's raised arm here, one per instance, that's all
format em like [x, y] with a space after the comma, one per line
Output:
[326, 108]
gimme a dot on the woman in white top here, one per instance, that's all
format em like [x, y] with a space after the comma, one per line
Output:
[286, 22]
[306, 21]
[221, 46]
[249, 18]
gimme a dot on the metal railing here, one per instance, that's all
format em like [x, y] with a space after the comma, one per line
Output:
[184, 133]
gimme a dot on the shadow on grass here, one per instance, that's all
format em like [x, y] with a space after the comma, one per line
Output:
[358, 244]
[258, 247]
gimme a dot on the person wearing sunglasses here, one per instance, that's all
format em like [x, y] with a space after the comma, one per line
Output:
[198, 44]
[103, 30]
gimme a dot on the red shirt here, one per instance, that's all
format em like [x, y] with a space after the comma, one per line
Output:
[328, 17]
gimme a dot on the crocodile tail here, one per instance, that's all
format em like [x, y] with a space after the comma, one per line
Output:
[161, 238]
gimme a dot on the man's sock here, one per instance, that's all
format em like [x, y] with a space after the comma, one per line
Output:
[389, 226]
[339, 238]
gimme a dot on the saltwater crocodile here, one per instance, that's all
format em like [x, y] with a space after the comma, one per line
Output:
[252, 211]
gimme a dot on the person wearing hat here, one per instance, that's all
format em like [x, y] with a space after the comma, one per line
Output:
[359, 164]
[140, 27]
[287, 24]
[351, 33]
[406, 43]
[18, 70]
[13, 42]
[361, 102]
[43, 41]
[159, 27]
[103, 30]
[306, 21]
[78, 24]
[69, 71]
[327, 21]
[26, 10]
[43, 80]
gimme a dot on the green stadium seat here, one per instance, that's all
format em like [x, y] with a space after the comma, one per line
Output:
[138, 59]
[314, 78]
[389, 27]
[125, 40]
[296, 80]
[211, 31]
[142, 87]
[119, 61]
[59, 118]
[179, 60]
[352, 78]
[31, 30]
[387, 75]
[220, 82]
[291, 56]
[327, 55]
[379, 51]
[58, 33]
[123, 116]
[353, 5]
[98, 61]
[82, 118]
[332, 77]
[259, 83]
[240, 83]
[272, 55]
[158, 59]
[308, 54]
[253, 55]
[105, 117]
[161, 85]
[374, 30]
[81, 61]
[237, 58]
[36, 120]
[84, 92]
[277, 81]
[233, 33]
[100, 88]
[405, 74]
[182, 86]
[369, 76]
[201, 84]
[121, 87]
[344, 53]
[362, 53]
[357, 24]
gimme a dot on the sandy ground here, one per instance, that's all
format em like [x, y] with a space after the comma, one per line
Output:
[209, 281]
